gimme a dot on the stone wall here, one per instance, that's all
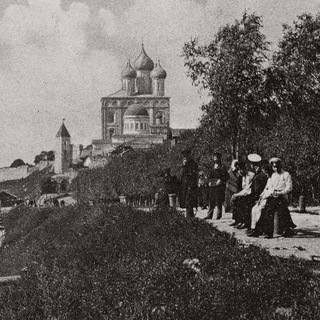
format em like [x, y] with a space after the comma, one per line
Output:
[8, 173]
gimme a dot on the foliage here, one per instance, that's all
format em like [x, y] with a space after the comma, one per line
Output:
[49, 185]
[44, 155]
[231, 69]
[296, 69]
[134, 174]
[300, 152]
[294, 82]
[118, 263]
[17, 163]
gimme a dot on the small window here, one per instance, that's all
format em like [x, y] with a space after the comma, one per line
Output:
[110, 117]
[111, 133]
[141, 126]
[137, 126]
[131, 126]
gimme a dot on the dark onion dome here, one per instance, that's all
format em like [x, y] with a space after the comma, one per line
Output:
[136, 110]
[158, 72]
[129, 72]
[143, 62]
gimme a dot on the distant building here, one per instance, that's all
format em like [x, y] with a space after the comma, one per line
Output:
[139, 113]
[63, 151]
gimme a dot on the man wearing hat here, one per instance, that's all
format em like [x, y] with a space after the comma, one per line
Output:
[217, 179]
[279, 186]
[245, 199]
[189, 184]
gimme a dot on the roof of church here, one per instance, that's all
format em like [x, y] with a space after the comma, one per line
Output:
[129, 72]
[143, 62]
[158, 72]
[118, 94]
[136, 110]
[63, 132]
[124, 94]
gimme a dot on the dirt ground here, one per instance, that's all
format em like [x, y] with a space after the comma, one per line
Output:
[305, 244]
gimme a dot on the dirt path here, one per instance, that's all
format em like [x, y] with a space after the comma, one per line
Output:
[305, 244]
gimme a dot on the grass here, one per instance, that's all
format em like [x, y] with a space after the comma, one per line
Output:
[114, 262]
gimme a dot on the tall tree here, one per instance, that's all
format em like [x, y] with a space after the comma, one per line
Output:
[296, 69]
[44, 155]
[294, 77]
[231, 69]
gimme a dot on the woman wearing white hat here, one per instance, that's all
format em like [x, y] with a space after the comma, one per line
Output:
[246, 199]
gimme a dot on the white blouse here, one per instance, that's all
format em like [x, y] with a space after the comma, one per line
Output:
[281, 183]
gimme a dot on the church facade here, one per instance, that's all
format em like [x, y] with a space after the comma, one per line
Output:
[139, 113]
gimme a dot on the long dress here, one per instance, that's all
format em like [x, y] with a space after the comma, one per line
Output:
[233, 186]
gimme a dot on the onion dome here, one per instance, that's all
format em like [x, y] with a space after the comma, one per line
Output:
[143, 62]
[129, 72]
[136, 110]
[158, 72]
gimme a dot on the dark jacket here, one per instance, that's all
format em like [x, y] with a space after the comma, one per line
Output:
[189, 185]
[234, 183]
[216, 174]
[258, 184]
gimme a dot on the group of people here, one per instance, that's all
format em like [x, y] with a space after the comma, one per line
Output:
[261, 203]
[255, 191]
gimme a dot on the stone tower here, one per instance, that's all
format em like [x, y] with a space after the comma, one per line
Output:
[63, 155]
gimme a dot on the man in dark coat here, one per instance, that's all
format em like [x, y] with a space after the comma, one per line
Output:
[217, 178]
[189, 184]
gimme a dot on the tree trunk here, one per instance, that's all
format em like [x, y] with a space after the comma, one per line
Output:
[235, 148]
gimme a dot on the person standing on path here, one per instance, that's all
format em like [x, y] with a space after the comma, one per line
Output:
[203, 191]
[189, 184]
[217, 178]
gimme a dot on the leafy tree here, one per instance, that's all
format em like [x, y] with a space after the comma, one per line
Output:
[49, 186]
[17, 163]
[44, 155]
[296, 69]
[231, 69]
[294, 79]
[50, 155]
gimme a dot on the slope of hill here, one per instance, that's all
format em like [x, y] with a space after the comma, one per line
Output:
[114, 262]
[29, 187]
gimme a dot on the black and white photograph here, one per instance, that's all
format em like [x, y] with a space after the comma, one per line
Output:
[160, 160]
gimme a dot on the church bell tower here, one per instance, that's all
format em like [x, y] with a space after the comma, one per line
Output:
[63, 154]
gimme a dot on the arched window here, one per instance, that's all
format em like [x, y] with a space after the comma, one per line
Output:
[110, 116]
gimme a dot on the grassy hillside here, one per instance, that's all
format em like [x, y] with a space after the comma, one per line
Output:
[119, 263]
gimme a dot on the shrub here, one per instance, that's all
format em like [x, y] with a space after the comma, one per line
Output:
[113, 262]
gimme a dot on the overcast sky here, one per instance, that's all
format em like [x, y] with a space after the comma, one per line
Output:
[59, 57]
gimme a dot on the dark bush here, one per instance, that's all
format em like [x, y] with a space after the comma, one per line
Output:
[118, 263]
